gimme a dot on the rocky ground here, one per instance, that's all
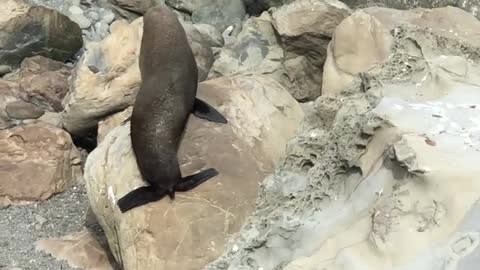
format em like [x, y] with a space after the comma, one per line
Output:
[22, 226]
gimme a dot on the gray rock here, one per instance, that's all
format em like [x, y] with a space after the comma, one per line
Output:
[221, 14]
[20, 110]
[256, 7]
[254, 50]
[201, 50]
[81, 20]
[75, 10]
[108, 16]
[101, 28]
[5, 69]
[93, 15]
[211, 34]
[36, 30]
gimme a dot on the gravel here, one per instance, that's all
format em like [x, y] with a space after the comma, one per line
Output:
[22, 226]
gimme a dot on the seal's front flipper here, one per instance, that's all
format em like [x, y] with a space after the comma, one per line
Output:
[201, 109]
[189, 182]
[139, 197]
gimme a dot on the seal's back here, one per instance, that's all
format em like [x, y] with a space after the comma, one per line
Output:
[166, 96]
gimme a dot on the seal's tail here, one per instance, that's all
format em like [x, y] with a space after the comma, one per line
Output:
[139, 197]
[189, 182]
[148, 194]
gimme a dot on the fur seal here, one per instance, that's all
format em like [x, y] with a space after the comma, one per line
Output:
[163, 104]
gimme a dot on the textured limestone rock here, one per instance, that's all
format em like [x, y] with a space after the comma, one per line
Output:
[382, 174]
[350, 54]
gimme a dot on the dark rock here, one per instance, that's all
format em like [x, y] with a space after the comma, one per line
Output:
[36, 30]
[256, 7]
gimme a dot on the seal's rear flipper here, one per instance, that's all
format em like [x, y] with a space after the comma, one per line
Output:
[202, 110]
[189, 182]
[139, 197]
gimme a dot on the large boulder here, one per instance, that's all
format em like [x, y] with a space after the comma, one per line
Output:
[37, 160]
[382, 174]
[192, 230]
[289, 45]
[306, 28]
[107, 77]
[8, 93]
[349, 54]
[35, 30]
[221, 14]
[44, 82]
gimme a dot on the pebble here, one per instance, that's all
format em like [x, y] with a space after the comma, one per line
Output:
[81, 20]
[101, 28]
[108, 16]
[40, 221]
[5, 69]
[75, 10]
[93, 15]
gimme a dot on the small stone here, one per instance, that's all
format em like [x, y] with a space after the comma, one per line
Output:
[5, 69]
[108, 17]
[40, 220]
[101, 28]
[93, 15]
[75, 3]
[20, 110]
[81, 20]
[75, 10]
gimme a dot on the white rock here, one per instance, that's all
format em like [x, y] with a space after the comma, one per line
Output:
[75, 10]
[93, 15]
[108, 16]
[81, 20]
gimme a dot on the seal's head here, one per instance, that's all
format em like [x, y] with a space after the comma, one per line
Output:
[164, 40]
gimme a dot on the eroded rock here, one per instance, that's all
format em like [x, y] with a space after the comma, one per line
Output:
[192, 230]
[370, 176]
[345, 62]
[37, 160]
[305, 28]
